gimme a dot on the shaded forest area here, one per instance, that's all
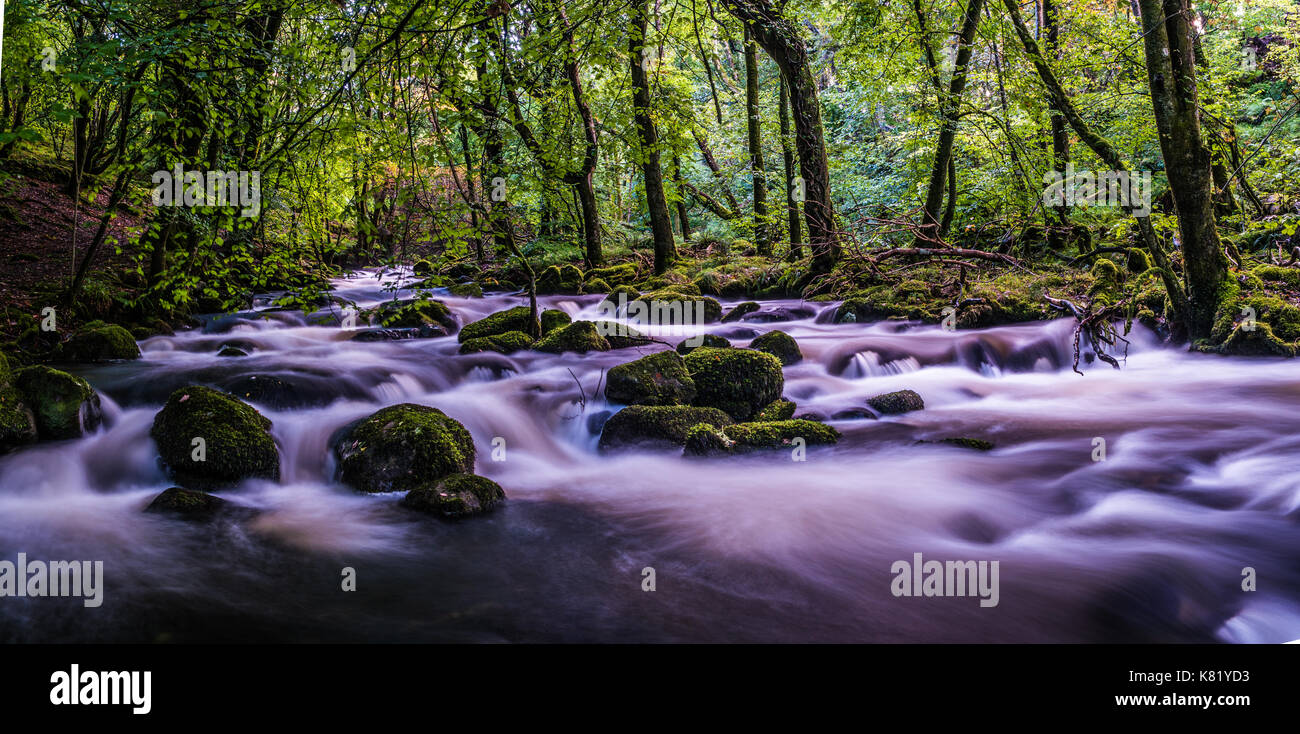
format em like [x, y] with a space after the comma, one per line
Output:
[894, 156]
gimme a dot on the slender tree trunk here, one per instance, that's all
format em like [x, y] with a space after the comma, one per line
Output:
[656, 202]
[787, 159]
[1059, 216]
[1168, 37]
[780, 39]
[683, 219]
[762, 241]
[948, 105]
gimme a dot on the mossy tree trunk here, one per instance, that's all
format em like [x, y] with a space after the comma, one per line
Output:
[652, 174]
[762, 240]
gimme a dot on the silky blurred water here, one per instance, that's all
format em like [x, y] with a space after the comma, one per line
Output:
[1201, 479]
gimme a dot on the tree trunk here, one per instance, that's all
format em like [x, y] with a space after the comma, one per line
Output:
[762, 241]
[779, 37]
[948, 105]
[1171, 71]
[1059, 216]
[656, 202]
[787, 159]
[684, 220]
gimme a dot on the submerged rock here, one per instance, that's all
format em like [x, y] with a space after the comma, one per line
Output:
[899, 401]
[456, 495]
[739, 382]
[188, 504]
[740, 438]
[98, 342]
[229, 351]
[978, 444]
[740, 311]
[780, 345]
[414, 313]
[402, 447]
[659, 379]
[236, 439]
[656, 425]
[62, 405]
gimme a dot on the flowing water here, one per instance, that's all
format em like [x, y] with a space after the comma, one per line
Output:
[1200, 480]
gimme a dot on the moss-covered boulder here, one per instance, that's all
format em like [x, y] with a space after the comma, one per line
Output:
[63, 406]
[507, 343]
[17, 424]
[98, 342]
[740, 382]
[456, 496]
[659, 379]
[512, 319]
[780, 345]
[236, 444]
[465, 290]
[580, 336]
[552, 319]
[777, 410]
[667, 307]
[618, 275]
[899, 401]
[619, 296]
[620, 335]
[596, 285]
[402, 447]
[656, 425]
[412, 313]
[686, 346]
[741, 438]
[187, 504]
[560, 279]
[740, 311]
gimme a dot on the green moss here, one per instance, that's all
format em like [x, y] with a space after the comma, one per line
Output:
[1106, 281]
[63, 406]
[596, 285]
[739, 382]
[656, 425]
[17, 424]
[780, 345]
[1138, 261]
[580, 336]
[402, 447]
[413, 313]
[620, 335]
[513, 319]
[237, 439]
[628, 293]
[553, 319]
[707, 340]
[560, 279]
[740, 311]
[673, 306]
[746, 437]
[777, 410]
[1278, 274]
[900, 401]
[619, 275]
[456, 496]
[659, 379]
[507, 343]
[98, 342]
[465, 290]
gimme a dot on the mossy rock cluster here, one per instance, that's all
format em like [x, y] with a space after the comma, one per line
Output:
[580, 336]
[17, 424]
[465, 290]
[456, 496]
[560, 279]
[1252, 319]
[512, 319]
[507, 343]
[620, 335]
[64, 406]
[98, 342]
[897, 402]
[624, 274]
[659, 379]
[739, 382]
[780, 345]
[656, 425]
[237, 442]
[402, 447]
[777, 410]
[412, 313]
[667, 307]
[740, 438]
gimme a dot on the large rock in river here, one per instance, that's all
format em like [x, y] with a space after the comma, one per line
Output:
[457, 495]
[659, 379]
[739, 382]
[64, 406]
[402, 447]
[236, 444]
[656, 425]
